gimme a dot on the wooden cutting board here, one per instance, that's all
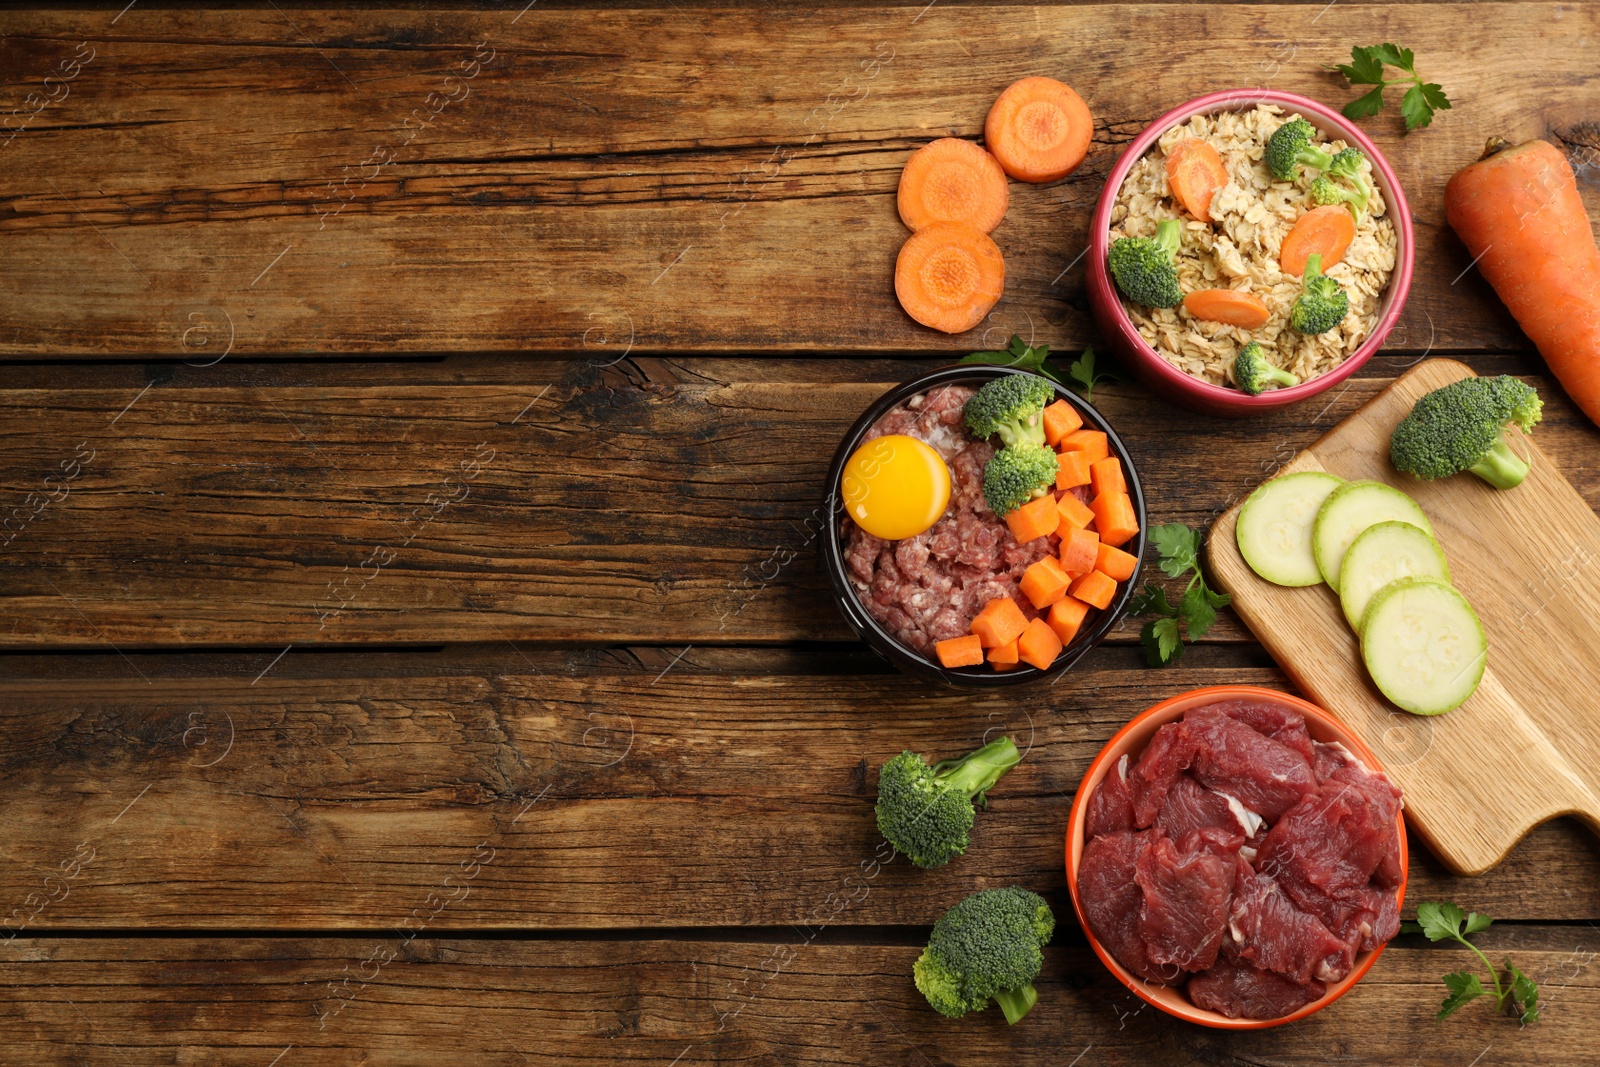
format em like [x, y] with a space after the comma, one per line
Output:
[1526, 746]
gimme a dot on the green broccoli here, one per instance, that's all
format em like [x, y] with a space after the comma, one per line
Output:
[925, 812]
[1253, 373]
[1464, 426]
[1289, 148]
[1144, 267]
[1016, 475]
[1322, 303]
[1345, 164]
[986, 946]
[1011, 406]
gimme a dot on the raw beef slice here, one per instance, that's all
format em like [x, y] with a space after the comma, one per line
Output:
[1240, 991]
[1279, 723]
[1187, 890]
[1266, 776]
[1325, 850]
[1112, 901]
[1191, 806]
[1111, 807]
[1266, 930]
[1166, 756]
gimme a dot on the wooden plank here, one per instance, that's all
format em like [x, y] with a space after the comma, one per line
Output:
[665, 502]
[658, 176]
[242, 1001]
[726, 788]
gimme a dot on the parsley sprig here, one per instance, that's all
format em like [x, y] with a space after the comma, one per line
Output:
[1442, 922]
[1179, 553]
[1080, 374]
[1419, 103]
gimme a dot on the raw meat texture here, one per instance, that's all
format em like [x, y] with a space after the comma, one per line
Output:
[1240, 991]
[1187, 888]
[1266, 776]
[1266, 930]
[1191, 806]
[1325, 849]
[1111, 807]
[1152, 778]
[1283, 725]
[1384, 908]
[1112, 901]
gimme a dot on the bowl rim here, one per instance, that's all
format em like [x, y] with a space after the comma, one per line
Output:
[885, 643]
[1169, 710]
[1395, 295]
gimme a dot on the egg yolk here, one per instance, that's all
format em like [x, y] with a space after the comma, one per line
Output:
[895, 487]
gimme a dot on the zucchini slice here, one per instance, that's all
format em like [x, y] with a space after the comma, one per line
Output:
[1382, 554]
[1423, 645]
[1351, 508]
[1274, 526]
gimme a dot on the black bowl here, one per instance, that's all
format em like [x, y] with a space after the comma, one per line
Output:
[890, 648]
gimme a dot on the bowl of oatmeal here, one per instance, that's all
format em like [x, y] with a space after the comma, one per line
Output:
[1191, 360]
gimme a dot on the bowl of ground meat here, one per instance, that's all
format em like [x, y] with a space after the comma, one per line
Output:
[904, 597]
[1237, 857]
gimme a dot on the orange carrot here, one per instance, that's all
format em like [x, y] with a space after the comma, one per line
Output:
[1095, 589]
[949, 275]
[1003, 657]
[1044, 583]
[1038, 645]
[959, 651]
[1072, 470]
[1105, 476]
[1036, 518]
[1232, 306]
[1326, 230]
[1115, 563]
[1075, 514]
[1195, 173]
[951, 180]
[1039, 130]
[1060, 419]
[1519, 213]
[1066, 615]
[1114, 518]
[999, 621]
[1078, 551]
[1091, 442]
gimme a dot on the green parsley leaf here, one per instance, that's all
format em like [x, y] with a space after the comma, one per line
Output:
[1178, 555]
[1216, 600]
[1198, 614]
[1152, 600]
[1440, 921]
[1464, 986]
[1162, 645]
[1367, 65]
[1524, 995]
[1364, 106]
[1433, 93]
[1394, 56]
[1476, 922]
[1082, 372]
[1179, 547]
[1414, 108]
[1364, 67]
[1018, 354]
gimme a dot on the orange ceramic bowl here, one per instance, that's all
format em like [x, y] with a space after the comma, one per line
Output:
[1131, 739]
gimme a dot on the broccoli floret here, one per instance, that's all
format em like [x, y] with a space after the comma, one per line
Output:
[1324, 191]
[1464, 427]
[1252, 372]
[986, 946]
[1345, 164]
[1322, 303]
[925, 812]
[1016, 475]
[1011, 406]
[1144, 267]
[1289, 148]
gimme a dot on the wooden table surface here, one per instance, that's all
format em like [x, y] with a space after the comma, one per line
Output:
[412, 429]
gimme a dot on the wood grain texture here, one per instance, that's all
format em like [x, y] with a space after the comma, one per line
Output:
[679, 788]
[659, 178]
[1522, 749]
[242, 1001]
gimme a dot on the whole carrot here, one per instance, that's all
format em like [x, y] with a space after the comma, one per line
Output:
[1519, 213]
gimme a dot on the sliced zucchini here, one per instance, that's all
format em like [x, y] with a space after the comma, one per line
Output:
[1274, 526]
[1381, 554]
[1350, 509]
[1423, 645]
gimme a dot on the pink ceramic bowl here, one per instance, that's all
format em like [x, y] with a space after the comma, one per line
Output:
[1168, 381]
[1131, 740]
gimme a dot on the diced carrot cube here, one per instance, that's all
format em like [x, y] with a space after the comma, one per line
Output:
[1078, 550]
[1115, 563]
[1060, 419]
[960, 651]
[1038, 646]
[1036, 518]
[1004, 657]
[1095, 589]
[1000, 621]
[1105, 476]
[1066, 615]
[1075, 514]
[1114, 518]
[1044, 583]
[1091, 442]
[1072, 470]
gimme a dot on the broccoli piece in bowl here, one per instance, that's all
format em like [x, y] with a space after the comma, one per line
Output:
[1016, 475]
[1145, 268]
[926, 812]
[1322, 303]
[1290, 148]
[1252, 373]
[1464, 426]
[987, 945]
[1345, 164]
[1011, 406]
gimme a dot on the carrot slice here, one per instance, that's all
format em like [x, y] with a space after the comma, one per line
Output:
[1066, 616]
[1195, 173]
[1036, 518]
[1038, 646]
[1114, 518]
[1105, 476]
[1326, 231]
[1003, 657]
[1115, 563]
[999, 621]
[949, 276]
[1232, 306]
[1072, 470]
[959, 651]
[1060, 419]
[1091, 442]
[1078, 551]
[1044, 583]
[1095, 589]
[1039, 130]
[1075, 514]
[951, 180]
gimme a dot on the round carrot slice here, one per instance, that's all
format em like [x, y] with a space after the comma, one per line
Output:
[951, 180]
[1195, 172]
[1326, 230]
[1245, 310]
[949, 275]
[1039, 130]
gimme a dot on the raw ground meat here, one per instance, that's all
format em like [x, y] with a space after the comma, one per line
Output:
[1242, 856]
[928, 588]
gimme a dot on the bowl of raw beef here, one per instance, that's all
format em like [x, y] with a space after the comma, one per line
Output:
[901, 597]
[1237, 857]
